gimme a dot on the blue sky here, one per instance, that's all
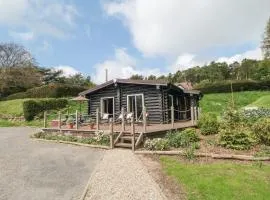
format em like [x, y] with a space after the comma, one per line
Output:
[134, 36]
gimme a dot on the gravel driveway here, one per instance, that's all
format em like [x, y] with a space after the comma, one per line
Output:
[35, 170]
[122, 176]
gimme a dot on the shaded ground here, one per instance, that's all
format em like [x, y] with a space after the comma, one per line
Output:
[42, 170]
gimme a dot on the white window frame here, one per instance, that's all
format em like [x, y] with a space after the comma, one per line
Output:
[128, 109]
[101, 104]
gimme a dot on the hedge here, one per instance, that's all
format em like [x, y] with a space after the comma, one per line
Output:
[223, 87]
[31, 108]
[48, 91]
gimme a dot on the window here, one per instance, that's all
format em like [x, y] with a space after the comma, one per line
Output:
[135, 104]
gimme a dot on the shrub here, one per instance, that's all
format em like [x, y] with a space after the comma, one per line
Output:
[31, 108]
[183, 138]
[256, 113]
[225, 86]
[208, 124]
[48, 91]
[156, 144]
[237, 138]
[261, 129]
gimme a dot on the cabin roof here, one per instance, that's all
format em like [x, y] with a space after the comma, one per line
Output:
[137, 82]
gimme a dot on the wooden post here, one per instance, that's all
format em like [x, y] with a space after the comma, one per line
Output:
[111, 133]
[172, 116]
[192, 114]
[133, 133]
[45, 119]
[144, 119]
[77, 125]
[195, 114]
[123, 118]
[97, 119]
[59, 120]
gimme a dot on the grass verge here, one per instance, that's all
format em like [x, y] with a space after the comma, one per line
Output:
[222, 180]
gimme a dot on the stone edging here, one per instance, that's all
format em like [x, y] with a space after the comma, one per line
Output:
[211, 155]
[73, 143]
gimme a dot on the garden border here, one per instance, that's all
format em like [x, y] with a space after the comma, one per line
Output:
[211, 155]
[73, 143]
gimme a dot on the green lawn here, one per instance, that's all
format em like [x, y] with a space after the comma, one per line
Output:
[217, 103]
[263, 101]
[12, 107]
[222, 180]
[15, 108]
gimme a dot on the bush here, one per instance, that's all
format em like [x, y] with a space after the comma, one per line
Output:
[156, 144]
[239, 138]
[208, 124]
[261, 130]
[225, 86]
[99, 139]
[183, 138]
[48, 91]
[256, 113]
[31, 108]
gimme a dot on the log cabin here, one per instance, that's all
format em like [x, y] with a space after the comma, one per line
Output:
[156, 96]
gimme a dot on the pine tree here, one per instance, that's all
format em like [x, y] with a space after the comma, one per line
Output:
[266, 41]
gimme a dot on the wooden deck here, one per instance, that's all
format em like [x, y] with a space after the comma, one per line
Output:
[150, 129]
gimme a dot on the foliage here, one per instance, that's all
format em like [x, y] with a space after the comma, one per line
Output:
[189, 153]
[225, 86]
[182, 138]
[219, 180]
[33, 107]
[98, 139]
[137, 77]
[237, 138]
[156, 144]
[256, 113]
[261, 129]
[234, 132]
[48, 91]
[266, 41]
[208, 124]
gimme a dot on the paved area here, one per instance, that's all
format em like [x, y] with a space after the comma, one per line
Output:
[35, 170]
[122, 176]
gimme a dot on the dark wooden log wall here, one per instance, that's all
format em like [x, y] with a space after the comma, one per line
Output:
[152, 99]
[94, 98]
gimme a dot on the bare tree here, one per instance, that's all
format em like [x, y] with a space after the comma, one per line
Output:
[14, 55]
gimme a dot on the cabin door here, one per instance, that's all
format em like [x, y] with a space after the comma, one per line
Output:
[107, 106]
[135, 104]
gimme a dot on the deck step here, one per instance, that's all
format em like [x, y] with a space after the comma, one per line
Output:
[126, 145]
[128, 137]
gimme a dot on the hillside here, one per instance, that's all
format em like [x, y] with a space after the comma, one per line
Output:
[217, 103]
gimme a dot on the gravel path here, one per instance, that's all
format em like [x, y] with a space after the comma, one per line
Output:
[121, 175]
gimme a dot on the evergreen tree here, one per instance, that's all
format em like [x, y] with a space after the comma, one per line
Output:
[266, 41]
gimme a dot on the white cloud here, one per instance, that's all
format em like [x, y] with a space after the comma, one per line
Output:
[121, 66]
[42, 17]
[186, 61]
[25, 36]
[255, 54]
[173, 27]
[183, 62]
[67, 70]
